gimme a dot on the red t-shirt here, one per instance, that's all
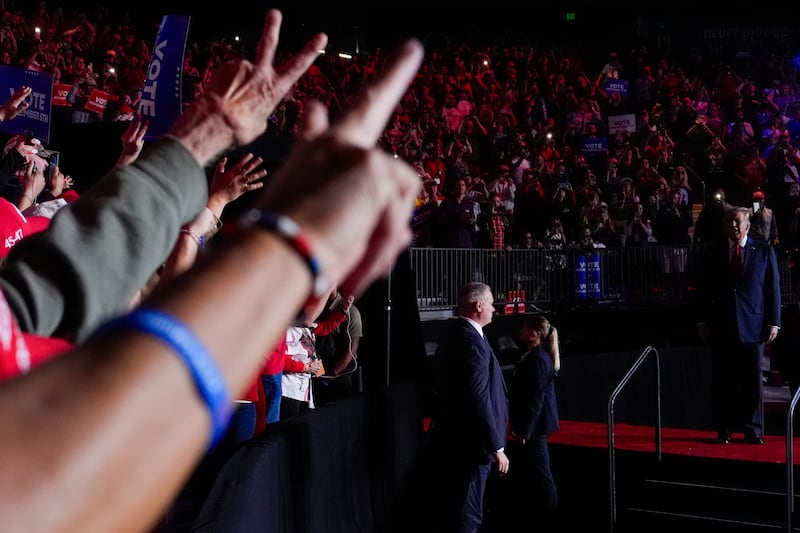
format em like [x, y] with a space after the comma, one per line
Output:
[19, 352]
[274, 361]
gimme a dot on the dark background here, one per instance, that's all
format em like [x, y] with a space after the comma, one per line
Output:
[382, 24]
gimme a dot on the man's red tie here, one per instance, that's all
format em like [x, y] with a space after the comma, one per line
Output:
[736, 260]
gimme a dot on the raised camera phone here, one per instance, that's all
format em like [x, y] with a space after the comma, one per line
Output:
[52, 162]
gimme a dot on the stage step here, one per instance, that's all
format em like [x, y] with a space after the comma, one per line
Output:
[701, 494]
[662, 522]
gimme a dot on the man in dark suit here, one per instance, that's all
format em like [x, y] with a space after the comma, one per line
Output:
[740, 310]
[469, 427]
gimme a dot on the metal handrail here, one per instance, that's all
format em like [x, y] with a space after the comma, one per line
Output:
[790, 459]
[612, 493]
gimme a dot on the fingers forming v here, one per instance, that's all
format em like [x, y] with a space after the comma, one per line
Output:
[291, 71]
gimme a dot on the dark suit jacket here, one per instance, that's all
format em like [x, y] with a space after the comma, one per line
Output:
[750, 303]
[471, 418]
[533, 406]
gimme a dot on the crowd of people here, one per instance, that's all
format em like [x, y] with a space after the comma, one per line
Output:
[515, 145]
[503, 148]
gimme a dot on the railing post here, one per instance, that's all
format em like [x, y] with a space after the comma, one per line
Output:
[612, 482]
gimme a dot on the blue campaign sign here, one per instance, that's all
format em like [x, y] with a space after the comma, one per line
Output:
[37, 117]
[617, 86]
[594, 146]
[580, 277]
[161, 97]
[593, 276]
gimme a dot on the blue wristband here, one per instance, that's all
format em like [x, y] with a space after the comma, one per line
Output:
[204, 370]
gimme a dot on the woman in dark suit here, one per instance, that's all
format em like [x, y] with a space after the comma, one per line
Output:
[533, 416]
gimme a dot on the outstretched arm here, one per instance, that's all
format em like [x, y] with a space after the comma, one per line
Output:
[103, 247]
[226, 186]
[126, 387]
[132, 141]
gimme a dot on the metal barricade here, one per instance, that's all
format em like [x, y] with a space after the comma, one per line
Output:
[565, 278]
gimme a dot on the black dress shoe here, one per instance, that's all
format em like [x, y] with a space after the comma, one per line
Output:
[723, 439]
[752, 439]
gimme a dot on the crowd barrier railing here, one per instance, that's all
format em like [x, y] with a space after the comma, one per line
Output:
[559, 279]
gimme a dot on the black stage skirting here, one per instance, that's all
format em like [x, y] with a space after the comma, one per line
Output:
[339, 468]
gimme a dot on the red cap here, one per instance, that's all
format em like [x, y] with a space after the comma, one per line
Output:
[758, 195]
[14, 225]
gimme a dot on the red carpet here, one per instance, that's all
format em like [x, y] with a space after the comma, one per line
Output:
[673, 441]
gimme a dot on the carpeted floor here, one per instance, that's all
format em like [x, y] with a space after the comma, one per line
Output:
[673, 441]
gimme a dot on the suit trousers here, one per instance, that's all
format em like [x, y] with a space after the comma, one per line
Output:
[736, 385]
[472, 487]
[460, 487]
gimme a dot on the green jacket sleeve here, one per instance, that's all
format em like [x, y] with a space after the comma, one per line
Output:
[102, 248]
